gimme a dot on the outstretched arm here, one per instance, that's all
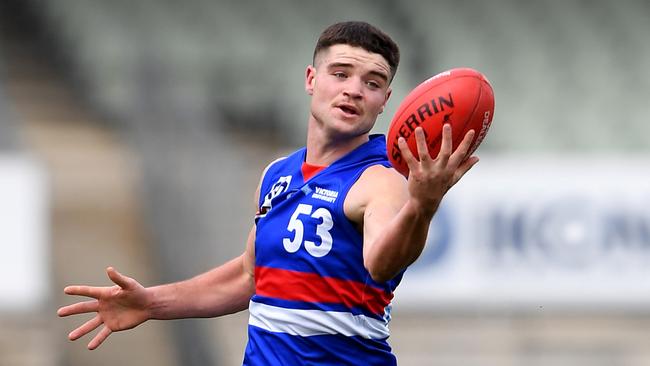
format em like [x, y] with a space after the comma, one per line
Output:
[223, 290]
[397, 216]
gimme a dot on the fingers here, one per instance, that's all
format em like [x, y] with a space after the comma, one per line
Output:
[421, 142]
[90, 291]
[447, 157]
[406, 154]
[79, 308]
[119, 279]
[446, 145]
[86, 328]
[462, 150]
[464, 168]
[95, 291]
[422, 149]
[99, 338]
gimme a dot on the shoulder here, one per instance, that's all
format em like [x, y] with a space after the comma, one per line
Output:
[263, 175]
[376, 185]
[380, 176]
[289, 161]
[274, 162]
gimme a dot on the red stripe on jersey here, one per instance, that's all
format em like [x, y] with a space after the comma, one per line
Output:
[310, 287]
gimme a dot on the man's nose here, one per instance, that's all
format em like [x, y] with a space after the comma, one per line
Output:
[353, 89]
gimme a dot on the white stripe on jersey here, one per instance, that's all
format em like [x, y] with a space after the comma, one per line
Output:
[306, 323]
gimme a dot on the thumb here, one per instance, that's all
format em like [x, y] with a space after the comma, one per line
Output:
[464, 168]
[120, 279]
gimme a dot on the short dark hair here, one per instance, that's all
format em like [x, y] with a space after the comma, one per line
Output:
[360, 34]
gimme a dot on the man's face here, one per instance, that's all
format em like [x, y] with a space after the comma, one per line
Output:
[349, 88]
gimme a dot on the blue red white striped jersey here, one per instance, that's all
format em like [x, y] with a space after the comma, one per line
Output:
[315, 303]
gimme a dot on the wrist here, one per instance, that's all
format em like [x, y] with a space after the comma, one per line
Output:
[422, 209]
[155, 303]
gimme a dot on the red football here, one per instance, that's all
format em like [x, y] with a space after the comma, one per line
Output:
[462, 97]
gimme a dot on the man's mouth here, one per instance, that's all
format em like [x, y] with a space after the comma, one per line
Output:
[348, 109]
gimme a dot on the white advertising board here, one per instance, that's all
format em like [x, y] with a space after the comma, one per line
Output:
[535, 232]
[24, 264]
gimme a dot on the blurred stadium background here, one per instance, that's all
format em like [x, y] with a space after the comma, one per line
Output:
[133, 133]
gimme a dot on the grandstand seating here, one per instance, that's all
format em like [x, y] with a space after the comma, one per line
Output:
[8, 125]
[555, 68]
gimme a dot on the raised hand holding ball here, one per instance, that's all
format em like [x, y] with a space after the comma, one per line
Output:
[462, 98]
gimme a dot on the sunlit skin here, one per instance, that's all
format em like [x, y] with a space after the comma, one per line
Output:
[349, 88]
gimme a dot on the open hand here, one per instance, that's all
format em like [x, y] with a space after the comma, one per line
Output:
[119, 307]
[429, 179]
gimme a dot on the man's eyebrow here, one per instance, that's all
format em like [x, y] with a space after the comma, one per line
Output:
[334, 65]
[376, 73]
[380, 75]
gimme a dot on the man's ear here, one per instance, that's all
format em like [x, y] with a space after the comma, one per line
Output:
[388, 93]
[310, 75]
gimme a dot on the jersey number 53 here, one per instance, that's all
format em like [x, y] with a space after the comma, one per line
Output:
[322, 231]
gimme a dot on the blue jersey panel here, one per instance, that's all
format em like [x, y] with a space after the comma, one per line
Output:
[269, 348]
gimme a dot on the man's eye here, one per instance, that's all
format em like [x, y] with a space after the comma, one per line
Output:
[340, 75]
[373, 84]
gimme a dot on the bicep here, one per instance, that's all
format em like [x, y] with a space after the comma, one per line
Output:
[378, 214]
[384, 196]
[249, 254]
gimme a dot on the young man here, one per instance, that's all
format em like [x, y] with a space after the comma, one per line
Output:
[335, 229]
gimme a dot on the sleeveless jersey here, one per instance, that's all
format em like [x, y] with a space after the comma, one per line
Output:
[315, 303]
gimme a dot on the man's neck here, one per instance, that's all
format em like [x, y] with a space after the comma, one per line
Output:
[324, 150]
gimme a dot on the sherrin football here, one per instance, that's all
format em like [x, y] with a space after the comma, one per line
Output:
[462, 97]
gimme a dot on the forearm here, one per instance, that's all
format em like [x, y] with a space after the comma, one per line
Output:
[399, 243]
[224, 290]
